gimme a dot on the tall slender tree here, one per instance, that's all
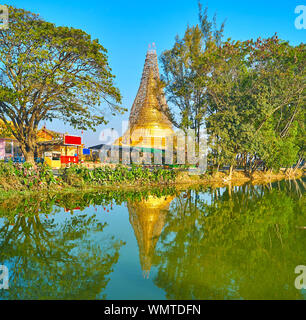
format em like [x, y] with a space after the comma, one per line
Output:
[185, 75]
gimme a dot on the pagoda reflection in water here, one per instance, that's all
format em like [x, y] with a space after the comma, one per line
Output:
[147, 218]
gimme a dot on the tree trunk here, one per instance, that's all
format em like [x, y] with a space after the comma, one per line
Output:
[29, 157]
[230, 189]
[218, 166]
[28, 152]
[297, 164]
[230, 171]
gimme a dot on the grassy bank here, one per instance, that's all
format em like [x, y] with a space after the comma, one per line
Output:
[24, 179]
[237, 178]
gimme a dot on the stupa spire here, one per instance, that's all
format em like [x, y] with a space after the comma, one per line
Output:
[148, 121]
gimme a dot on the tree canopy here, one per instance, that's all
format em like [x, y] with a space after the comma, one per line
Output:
[249, 95]
[184, 74]
[52, 72]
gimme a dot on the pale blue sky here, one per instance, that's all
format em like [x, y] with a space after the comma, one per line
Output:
[126, 28]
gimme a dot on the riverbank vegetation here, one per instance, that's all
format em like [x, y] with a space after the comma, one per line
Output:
[26, 178]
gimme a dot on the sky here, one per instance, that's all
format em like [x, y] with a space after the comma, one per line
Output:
[125, 28]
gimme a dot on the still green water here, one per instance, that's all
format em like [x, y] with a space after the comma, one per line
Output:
[212, 243]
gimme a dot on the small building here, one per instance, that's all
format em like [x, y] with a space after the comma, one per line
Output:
[55, 148]
[58, 149]
[45, 134]
[10, 149]
[9, 146]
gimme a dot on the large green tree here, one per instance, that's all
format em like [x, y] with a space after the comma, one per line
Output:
[49, 72]
[256, 96]
[250, 95]
[185, 74]
[279, 91]
[230, 102]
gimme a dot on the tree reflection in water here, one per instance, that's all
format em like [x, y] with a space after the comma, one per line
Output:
[55, 260]
[210, 243]
[242, 243]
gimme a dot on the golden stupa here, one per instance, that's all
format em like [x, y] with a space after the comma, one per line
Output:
[149, 125]
[147, 218]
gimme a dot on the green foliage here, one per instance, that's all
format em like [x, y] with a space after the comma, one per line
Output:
[120, 174]
[254, 107]
[26, 175]
[250, 95]
[185, 74]
[51, 72]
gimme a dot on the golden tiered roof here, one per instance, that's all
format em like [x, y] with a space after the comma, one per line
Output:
[45, 134]
[149, 125]
[147, 218]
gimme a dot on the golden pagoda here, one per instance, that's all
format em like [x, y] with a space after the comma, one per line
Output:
[147, 218]
[149, 125]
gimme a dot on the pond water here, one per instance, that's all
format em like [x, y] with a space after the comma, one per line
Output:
[211, 243]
